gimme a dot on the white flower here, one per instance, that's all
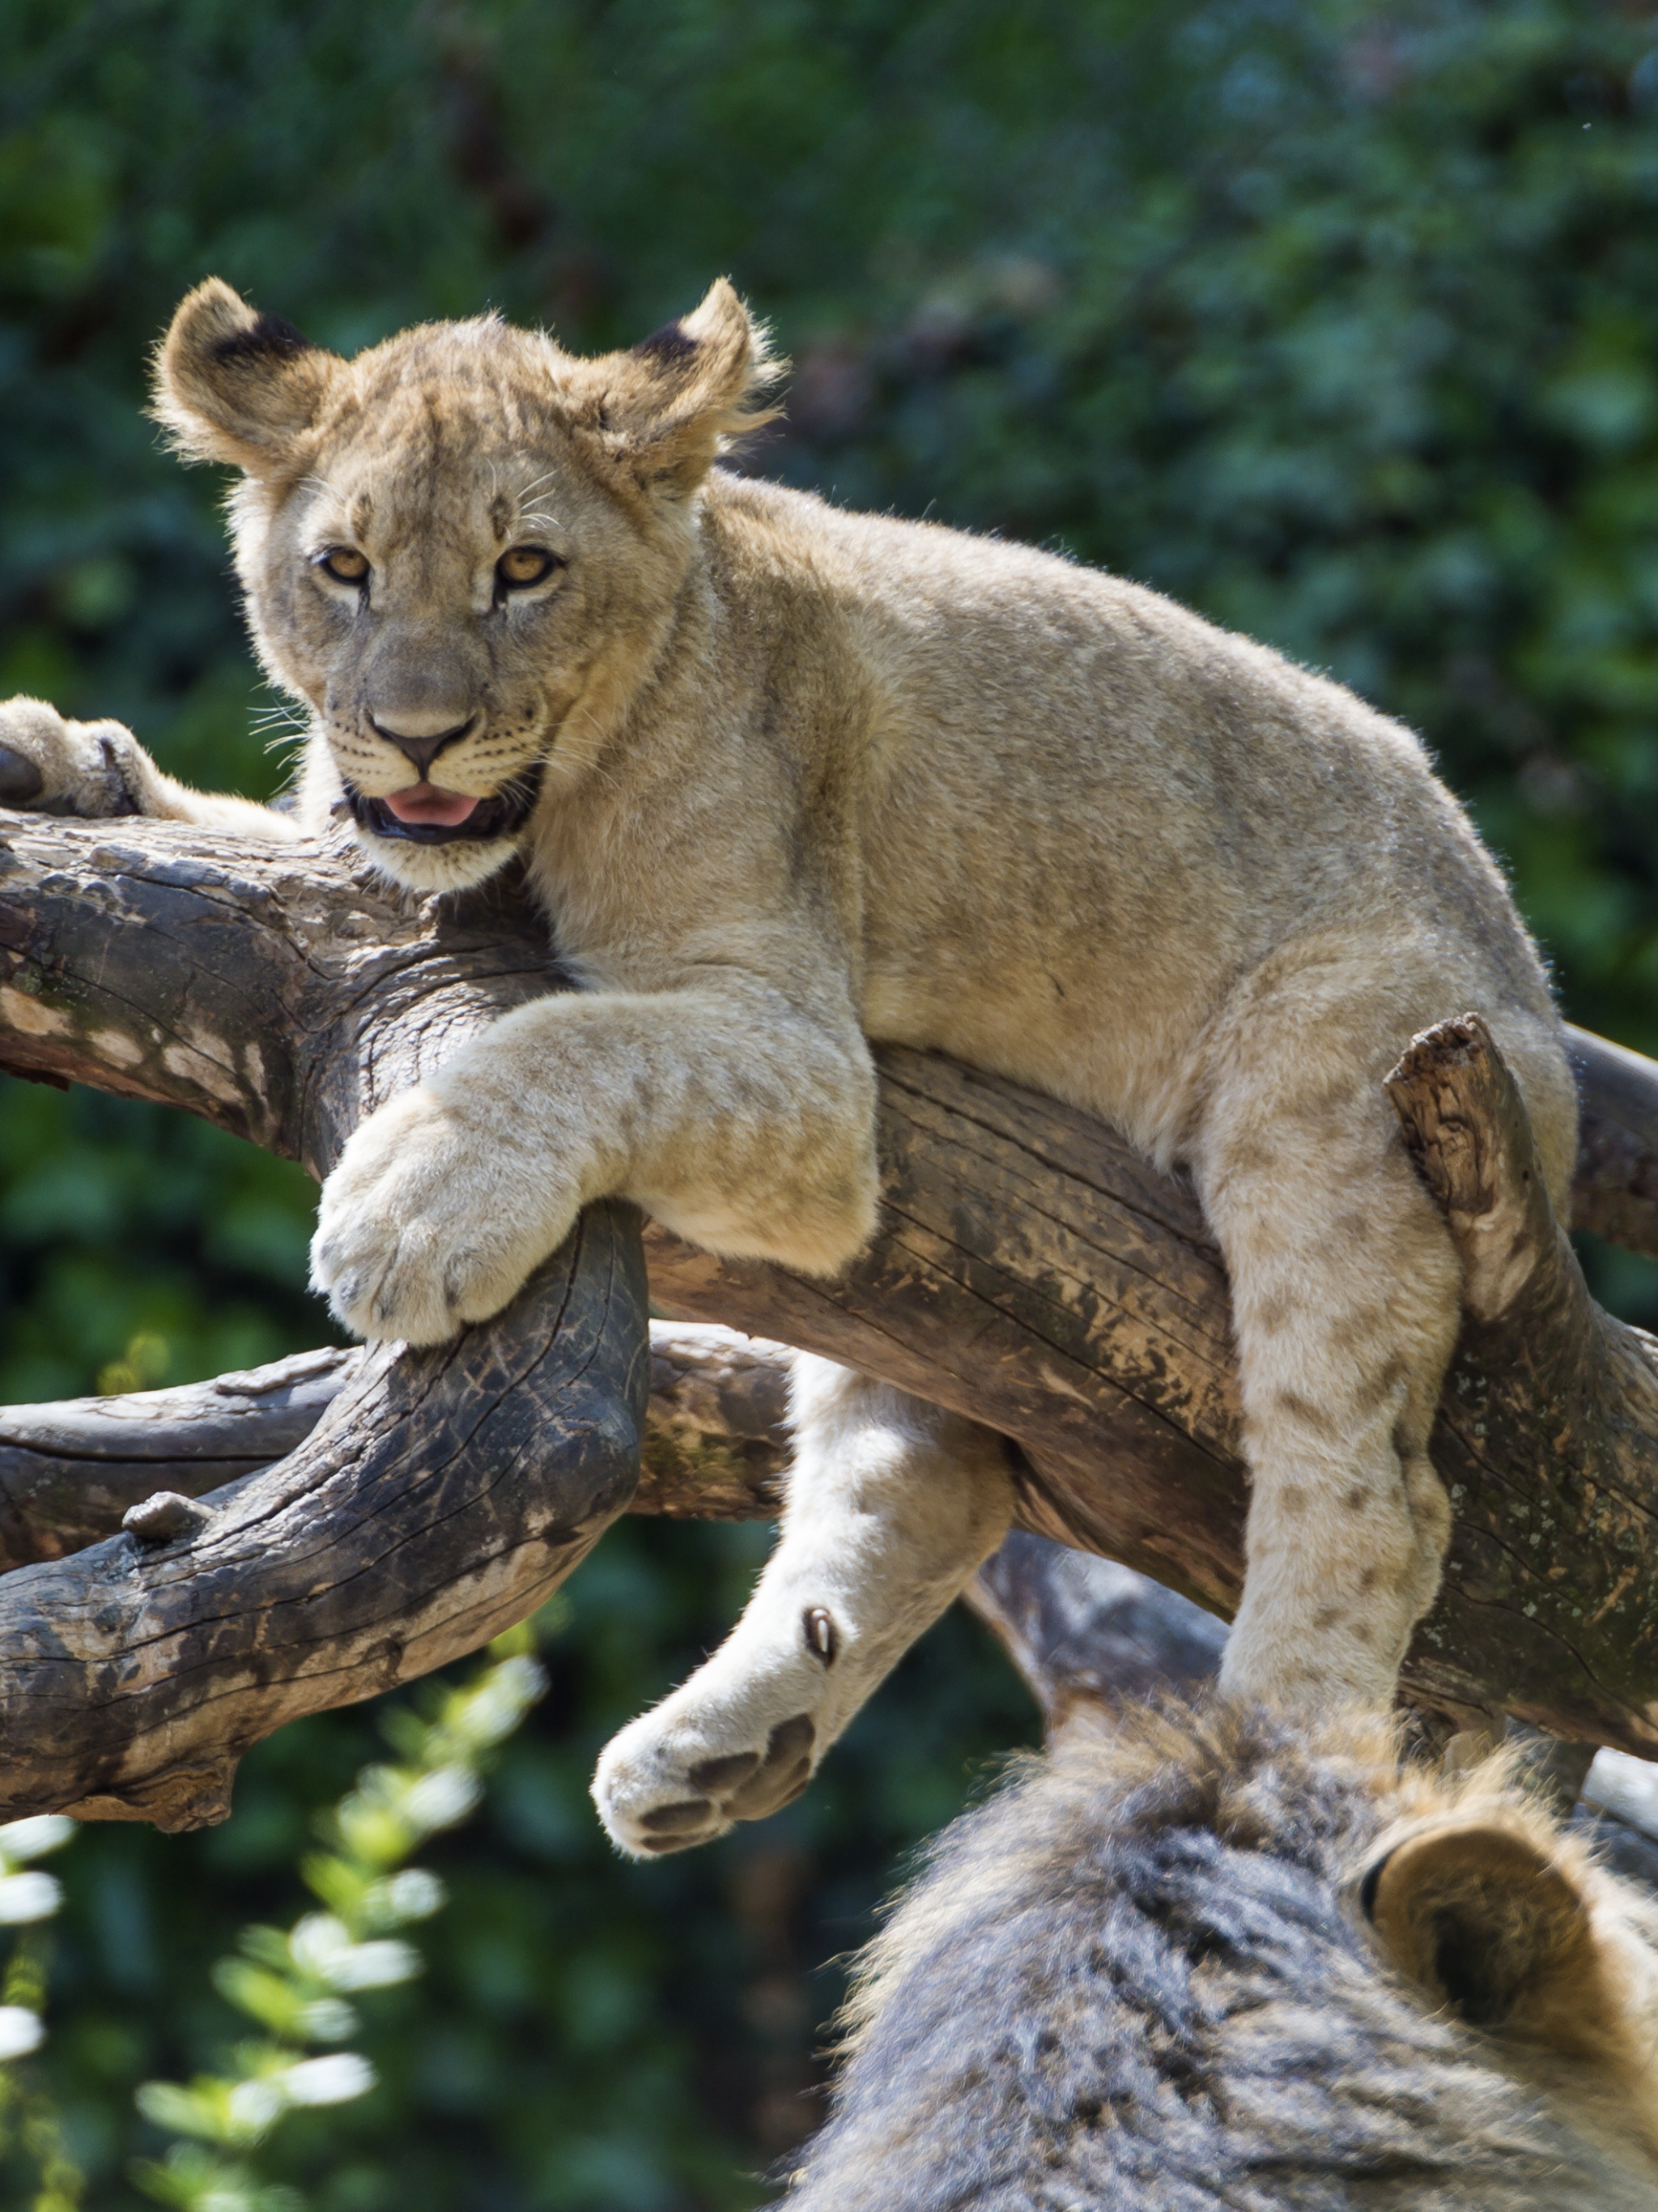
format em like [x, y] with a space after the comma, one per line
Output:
[21, 2032]
[332, 2081]
[321, 1946]
[256, 2105]
[441, 1798]
[373, 1965]
[28, 1896]
[327, 2020]
[317, 1941]
[34, 1838]
[413, 1894]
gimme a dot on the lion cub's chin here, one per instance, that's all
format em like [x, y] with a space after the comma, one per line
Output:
[455, 867]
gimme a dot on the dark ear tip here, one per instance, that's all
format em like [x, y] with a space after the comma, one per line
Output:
[1371, 1883]
[670, 344]
[267, 337]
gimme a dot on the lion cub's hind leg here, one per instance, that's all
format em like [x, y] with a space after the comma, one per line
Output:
[1345, 1300]
[892, 1505]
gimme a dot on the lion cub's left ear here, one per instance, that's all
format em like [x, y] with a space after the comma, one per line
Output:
[234, 386]
[1488, 1923]
[666, 408]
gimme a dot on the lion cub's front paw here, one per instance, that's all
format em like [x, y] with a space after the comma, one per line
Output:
[425, 1225]
[51, 766]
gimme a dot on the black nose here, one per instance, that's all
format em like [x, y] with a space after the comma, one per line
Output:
[421, 752]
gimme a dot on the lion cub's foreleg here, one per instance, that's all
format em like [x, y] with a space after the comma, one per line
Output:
[1346, 1299]
[892, 1505]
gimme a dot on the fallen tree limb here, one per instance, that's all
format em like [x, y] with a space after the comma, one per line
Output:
[1031, 1272]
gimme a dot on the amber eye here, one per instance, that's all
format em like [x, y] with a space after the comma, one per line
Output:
[344, 564]
[525, 565]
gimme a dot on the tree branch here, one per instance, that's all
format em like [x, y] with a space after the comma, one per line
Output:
[279, 992]
[77, 1471]
[1031, 1272]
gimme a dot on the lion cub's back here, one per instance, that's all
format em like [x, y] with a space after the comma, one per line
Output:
[1085, 809]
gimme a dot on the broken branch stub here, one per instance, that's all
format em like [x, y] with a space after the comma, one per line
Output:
[1547, 1435]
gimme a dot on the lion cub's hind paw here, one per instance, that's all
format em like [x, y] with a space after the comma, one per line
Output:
[653, 1799]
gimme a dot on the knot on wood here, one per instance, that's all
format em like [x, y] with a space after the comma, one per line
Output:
[162, 1516]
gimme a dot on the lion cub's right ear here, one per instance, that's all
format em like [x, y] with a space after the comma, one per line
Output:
[233, 386]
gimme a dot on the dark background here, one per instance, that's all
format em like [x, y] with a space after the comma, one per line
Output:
[1335, 321]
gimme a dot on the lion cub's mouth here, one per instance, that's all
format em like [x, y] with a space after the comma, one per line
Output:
[429, 802]
[426, 814]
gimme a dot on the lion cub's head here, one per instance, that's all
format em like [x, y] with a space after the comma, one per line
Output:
[462, 550]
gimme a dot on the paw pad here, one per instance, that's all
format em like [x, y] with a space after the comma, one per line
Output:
[743, 1785]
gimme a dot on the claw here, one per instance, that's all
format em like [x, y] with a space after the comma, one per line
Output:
[20, 779]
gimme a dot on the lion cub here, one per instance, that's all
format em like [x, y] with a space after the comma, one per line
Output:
[789, 778]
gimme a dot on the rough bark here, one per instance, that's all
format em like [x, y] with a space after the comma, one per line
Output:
[1547, 1436]
[714, 1444]
[281, 994]
[1031, 1272]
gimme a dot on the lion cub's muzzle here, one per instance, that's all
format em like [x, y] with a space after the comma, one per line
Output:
[502, 814]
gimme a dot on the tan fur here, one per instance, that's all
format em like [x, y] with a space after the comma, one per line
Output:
[808, 778]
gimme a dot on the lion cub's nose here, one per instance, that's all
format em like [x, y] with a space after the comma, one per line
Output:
[419, 746]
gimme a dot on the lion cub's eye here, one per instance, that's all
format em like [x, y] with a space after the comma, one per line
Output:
[343, 563]
[525, 565]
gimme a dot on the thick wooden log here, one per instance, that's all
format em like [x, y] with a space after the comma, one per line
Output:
[1614, 1191]
[1034, 1274]
[1547, 1437]
[442, 1497]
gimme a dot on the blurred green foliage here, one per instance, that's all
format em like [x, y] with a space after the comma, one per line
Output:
[1339, 320]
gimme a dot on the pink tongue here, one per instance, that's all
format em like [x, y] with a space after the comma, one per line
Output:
[426, 802]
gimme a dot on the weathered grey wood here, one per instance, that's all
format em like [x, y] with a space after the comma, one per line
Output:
[1086, 1633]
[71, 1472]
[1547, 1436]
[1614, 1191]
[1033, 1273]
[281, 993]
[442, 1497]
[716, 1439]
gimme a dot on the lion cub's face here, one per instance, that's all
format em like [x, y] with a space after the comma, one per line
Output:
[462, 550]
